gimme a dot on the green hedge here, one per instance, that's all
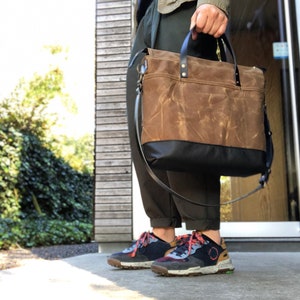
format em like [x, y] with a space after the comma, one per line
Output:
[50, 186]
[10, 148]
[42, 231]
[43, 201]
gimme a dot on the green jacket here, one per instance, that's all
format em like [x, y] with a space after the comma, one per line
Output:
[167, 6]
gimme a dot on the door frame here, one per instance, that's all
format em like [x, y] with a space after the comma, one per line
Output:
[292, 76]
[260, 229]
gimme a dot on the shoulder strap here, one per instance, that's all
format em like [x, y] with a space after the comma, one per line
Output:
[262, 181]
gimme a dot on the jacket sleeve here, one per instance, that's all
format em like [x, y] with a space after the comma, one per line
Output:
[222, 4]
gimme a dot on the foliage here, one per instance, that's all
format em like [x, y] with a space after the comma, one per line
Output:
[42, 231]
[9, 232]
[44, 198]
[226, 210]
[10, 147]
[25, 109]
[60, 191]
[77, 152]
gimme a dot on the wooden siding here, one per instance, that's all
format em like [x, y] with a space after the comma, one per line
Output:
[113, 177]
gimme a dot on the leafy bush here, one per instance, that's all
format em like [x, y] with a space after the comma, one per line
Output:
[9, 233]
[49, 185]
[25, 109]
[77, 152]
[44, 199]
[10, 148]
[43, 232]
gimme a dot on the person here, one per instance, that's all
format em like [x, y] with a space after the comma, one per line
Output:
[164, 26]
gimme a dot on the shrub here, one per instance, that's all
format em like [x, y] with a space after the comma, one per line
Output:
[44, 199]
[77, 152]
[50, 186]
[44, 232]
[10, 148]
[9, 233]
[41, 231]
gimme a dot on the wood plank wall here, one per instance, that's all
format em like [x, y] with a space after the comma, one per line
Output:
[113, 180]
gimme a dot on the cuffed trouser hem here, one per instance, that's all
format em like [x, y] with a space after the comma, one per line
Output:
[202, 224]
[165, 222]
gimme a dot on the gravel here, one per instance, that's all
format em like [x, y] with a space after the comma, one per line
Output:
[16, 257]
[63, 251]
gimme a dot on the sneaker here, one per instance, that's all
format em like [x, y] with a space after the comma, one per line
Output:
[196, 255]
[142, 253]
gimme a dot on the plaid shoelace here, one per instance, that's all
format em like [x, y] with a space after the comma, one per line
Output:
[142, 241]
[187, 241]
[145, 239]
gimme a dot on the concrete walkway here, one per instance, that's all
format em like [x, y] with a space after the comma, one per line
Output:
[265, 276]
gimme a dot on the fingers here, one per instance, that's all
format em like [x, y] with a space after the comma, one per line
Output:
[209, 19]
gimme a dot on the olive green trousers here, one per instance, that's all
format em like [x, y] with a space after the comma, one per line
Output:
[167, 32]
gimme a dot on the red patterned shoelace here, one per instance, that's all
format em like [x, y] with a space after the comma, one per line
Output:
[143, 240]
[188, 240]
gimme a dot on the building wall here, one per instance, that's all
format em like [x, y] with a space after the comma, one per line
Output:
[113, 173]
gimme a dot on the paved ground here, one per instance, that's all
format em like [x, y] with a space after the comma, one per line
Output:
[269, 275]
[18, 256]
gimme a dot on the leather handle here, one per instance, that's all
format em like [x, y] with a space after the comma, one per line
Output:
[184, 57]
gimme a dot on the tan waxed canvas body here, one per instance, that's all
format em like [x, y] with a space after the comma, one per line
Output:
[206, 107]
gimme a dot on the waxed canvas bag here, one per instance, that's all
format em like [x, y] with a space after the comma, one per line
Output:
[202, 116]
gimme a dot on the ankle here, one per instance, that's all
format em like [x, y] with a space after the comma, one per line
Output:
[214, 235]
[166, 234]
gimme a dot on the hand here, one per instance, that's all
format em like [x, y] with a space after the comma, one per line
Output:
[209, 19]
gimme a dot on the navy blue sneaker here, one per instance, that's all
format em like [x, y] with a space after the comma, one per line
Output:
[142, 253]
[196, 255]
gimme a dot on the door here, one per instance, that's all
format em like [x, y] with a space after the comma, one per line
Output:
[261, 34]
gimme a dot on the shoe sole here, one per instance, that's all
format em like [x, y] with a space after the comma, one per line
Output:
[129, 265]
[222, 267]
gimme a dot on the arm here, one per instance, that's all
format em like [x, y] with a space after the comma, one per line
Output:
[222, 4]
[210, 17]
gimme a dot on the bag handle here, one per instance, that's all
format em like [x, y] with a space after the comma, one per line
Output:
[184, 57]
